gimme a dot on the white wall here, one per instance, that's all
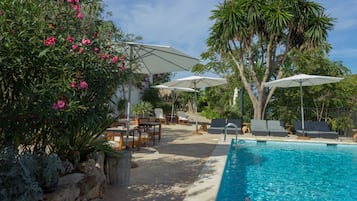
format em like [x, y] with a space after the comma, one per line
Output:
[122, 93]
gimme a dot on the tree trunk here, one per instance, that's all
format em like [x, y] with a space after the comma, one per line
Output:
[258, 103]
[258, 113]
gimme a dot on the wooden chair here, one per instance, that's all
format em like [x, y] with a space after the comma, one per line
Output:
[145, 134]
[115, 141]
[118, 141]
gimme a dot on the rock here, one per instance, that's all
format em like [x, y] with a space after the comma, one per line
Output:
[85, 186]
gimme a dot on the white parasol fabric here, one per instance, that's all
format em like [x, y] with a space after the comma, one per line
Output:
[196, 82]
[155, 59]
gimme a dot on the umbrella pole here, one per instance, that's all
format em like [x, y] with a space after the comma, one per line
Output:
[302, 110]
[129, 100]
[173, 104]
[196, 108]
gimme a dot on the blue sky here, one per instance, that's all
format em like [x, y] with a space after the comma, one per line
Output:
[184, 25]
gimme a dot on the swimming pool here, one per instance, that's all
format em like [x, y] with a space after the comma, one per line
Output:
[260, 170]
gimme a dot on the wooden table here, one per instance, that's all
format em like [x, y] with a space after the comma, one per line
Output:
[152, 124]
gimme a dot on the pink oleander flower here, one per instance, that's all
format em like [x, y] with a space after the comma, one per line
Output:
[83, 85]
[96, 49]
[70, 39]
[80, 16]
[76, 8]
[73, 84]
[86, 41]
[81, 50]
[49, 41]
[123, 66]
[74, 46]
[114, 59]
[95, 34]
[77, 1]
[55, 106]
[70, 1]
[105, 56]
[61, 104]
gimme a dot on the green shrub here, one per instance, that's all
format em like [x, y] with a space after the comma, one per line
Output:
[57, 75]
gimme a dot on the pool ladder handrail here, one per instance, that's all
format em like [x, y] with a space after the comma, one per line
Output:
[225, 130]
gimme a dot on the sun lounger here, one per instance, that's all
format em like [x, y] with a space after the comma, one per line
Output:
[259, 127]
[182, 118]
[298, 128]
[323, 130]
[233, 130]
[309, 130]
[160, 116]
[217, 126]
[276, 128]
[315, 129]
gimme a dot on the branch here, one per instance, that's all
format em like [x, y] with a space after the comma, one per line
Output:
[246, 85]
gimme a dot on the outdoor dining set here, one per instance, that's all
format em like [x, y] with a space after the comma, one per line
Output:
[145, 130]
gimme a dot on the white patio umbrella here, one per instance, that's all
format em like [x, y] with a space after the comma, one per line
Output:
[196, 82]
[153, 59]
[173, 94]
[301, 80]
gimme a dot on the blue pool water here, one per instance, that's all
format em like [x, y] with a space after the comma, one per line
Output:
[283, 171]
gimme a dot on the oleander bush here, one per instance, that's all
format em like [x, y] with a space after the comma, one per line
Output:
[59, 68]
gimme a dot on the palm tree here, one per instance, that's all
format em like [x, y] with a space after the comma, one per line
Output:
[255, 38]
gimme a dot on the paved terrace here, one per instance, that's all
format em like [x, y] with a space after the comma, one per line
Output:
[183, 166]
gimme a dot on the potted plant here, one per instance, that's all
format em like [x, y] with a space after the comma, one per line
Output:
[142, 108]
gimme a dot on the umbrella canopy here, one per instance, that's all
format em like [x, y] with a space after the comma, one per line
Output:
[153, 59]
[173, 90]
[301, 80]
[196, 82]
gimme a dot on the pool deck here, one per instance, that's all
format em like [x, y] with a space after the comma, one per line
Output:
[183, 166]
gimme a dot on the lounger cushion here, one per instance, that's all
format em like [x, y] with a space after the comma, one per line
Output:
[315, 129]
[259, 127]
[233, 130]
[217, 126]
[276, 128]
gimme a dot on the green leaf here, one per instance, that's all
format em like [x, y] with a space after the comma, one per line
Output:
[43, 52]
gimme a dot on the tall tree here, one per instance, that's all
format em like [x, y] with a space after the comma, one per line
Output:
[255, 38]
